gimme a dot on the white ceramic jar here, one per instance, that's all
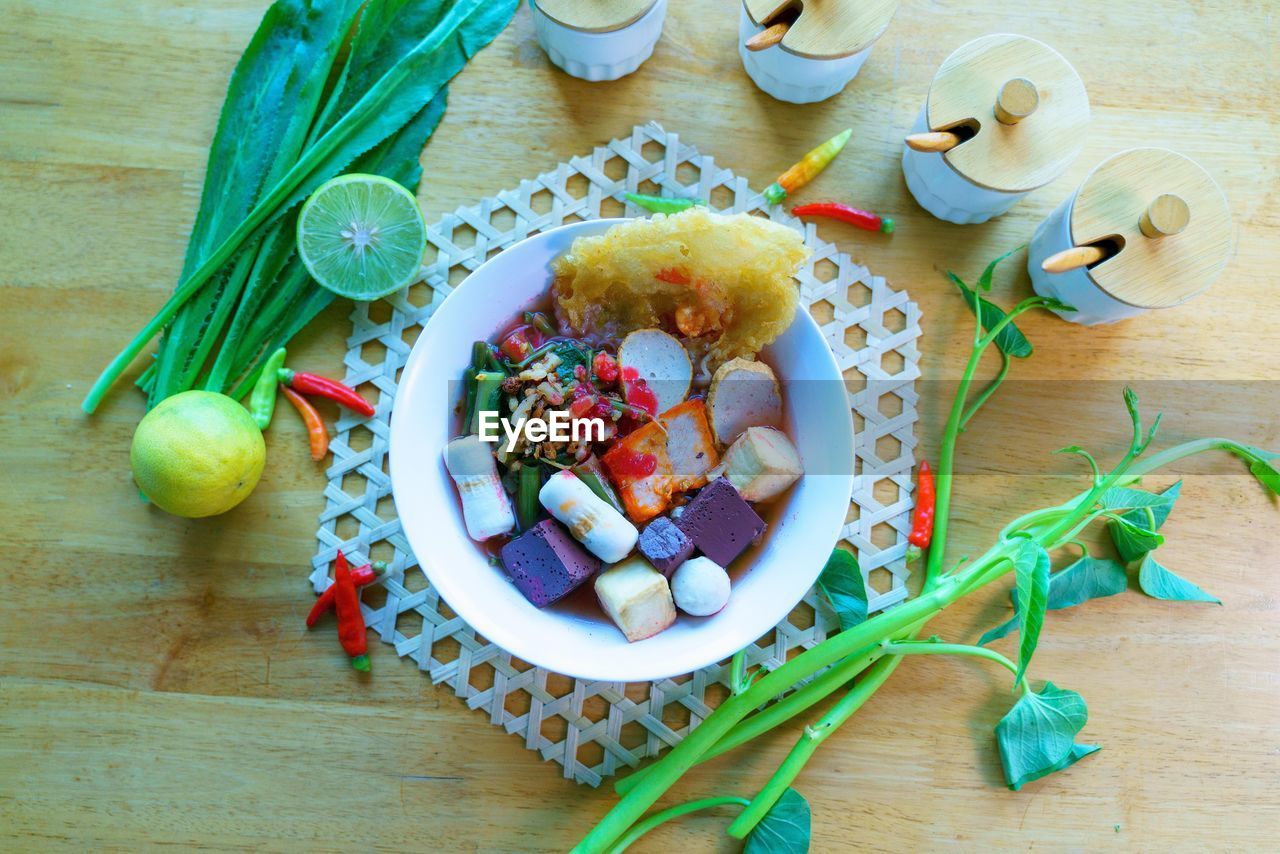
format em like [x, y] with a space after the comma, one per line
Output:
[818, 57]
[601, 40]
[1000, 157]
[1144, 268]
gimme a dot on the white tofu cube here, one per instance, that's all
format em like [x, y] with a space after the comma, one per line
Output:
[636, 597]
[761, 464]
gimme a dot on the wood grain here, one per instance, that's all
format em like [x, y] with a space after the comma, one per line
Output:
[826, 29]
[1008, 155]
[157, 686]
[1160, 271]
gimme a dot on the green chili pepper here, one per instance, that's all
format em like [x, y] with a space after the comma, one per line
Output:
[479, 355]
[488, 397]
[262, 403]
[597, 484]
[527, 495]
[661, 204]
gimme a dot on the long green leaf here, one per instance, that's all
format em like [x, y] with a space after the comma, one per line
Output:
[397, 97]
[1037, 736]
[271, 102]
[1031, 573]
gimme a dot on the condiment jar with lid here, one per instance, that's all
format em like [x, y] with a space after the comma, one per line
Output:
[1005, 114]
[1148, 229]
[812, 49]
[598, 39]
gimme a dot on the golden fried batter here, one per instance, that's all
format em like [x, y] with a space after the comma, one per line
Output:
[729, 278]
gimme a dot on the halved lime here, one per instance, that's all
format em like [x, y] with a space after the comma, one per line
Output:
[362, 236]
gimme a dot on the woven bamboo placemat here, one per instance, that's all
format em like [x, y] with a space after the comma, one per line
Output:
[594, 728]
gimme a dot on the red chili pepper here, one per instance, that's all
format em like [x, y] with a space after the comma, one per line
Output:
[316, 431]
[807, 169]
[922, 518]
[672, 276]
[346, 602]
[844, 213]
[325, 387]
[362, 576]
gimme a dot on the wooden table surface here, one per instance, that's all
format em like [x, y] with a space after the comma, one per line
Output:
[156, 683]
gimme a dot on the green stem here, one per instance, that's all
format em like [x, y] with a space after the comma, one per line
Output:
[685, 754]
[778, 713]
[808, 744]
[982, 398]
[935, 648]
[649, 823]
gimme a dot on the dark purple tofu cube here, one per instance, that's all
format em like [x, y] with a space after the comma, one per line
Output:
[720, 522]
[665, 545]
[546, 564]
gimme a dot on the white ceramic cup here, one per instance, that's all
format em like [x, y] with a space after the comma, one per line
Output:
[805, 527]
[599, 56]
[943, 191]
[791, 78]
[1075, 287]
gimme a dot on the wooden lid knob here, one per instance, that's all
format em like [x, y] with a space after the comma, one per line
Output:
[1145, 193]
[1024, 133]
[825, 29]
[1018, 99]
[1167, 214]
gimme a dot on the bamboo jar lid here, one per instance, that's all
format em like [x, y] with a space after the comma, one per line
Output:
[1170, 219]
[826, 29]
[595, 16]
[1025, 104]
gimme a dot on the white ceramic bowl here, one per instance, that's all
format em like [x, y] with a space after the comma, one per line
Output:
[802, 534]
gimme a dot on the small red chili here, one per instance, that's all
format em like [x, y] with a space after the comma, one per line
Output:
[325, 387]
[316, 432]
[922, 517]
[346, 602]
[844, 213]
[362, 576]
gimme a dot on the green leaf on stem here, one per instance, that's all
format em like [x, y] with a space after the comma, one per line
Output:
[1037, 736]
[1135, 536]
[1031, 574]
[1133, 539]
[984, 281]
[1010, 340]
[784, 829]
[1122, 498]
[1161, 583]
[1088, 578]
[842, 583]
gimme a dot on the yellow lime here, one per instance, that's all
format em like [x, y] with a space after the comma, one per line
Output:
[197, 454]
[362, 236]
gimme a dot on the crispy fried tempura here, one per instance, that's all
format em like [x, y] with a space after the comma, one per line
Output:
[725, 277]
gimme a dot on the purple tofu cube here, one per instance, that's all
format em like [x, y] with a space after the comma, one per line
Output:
[720, 522]
[665, 545]
[546, 564]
